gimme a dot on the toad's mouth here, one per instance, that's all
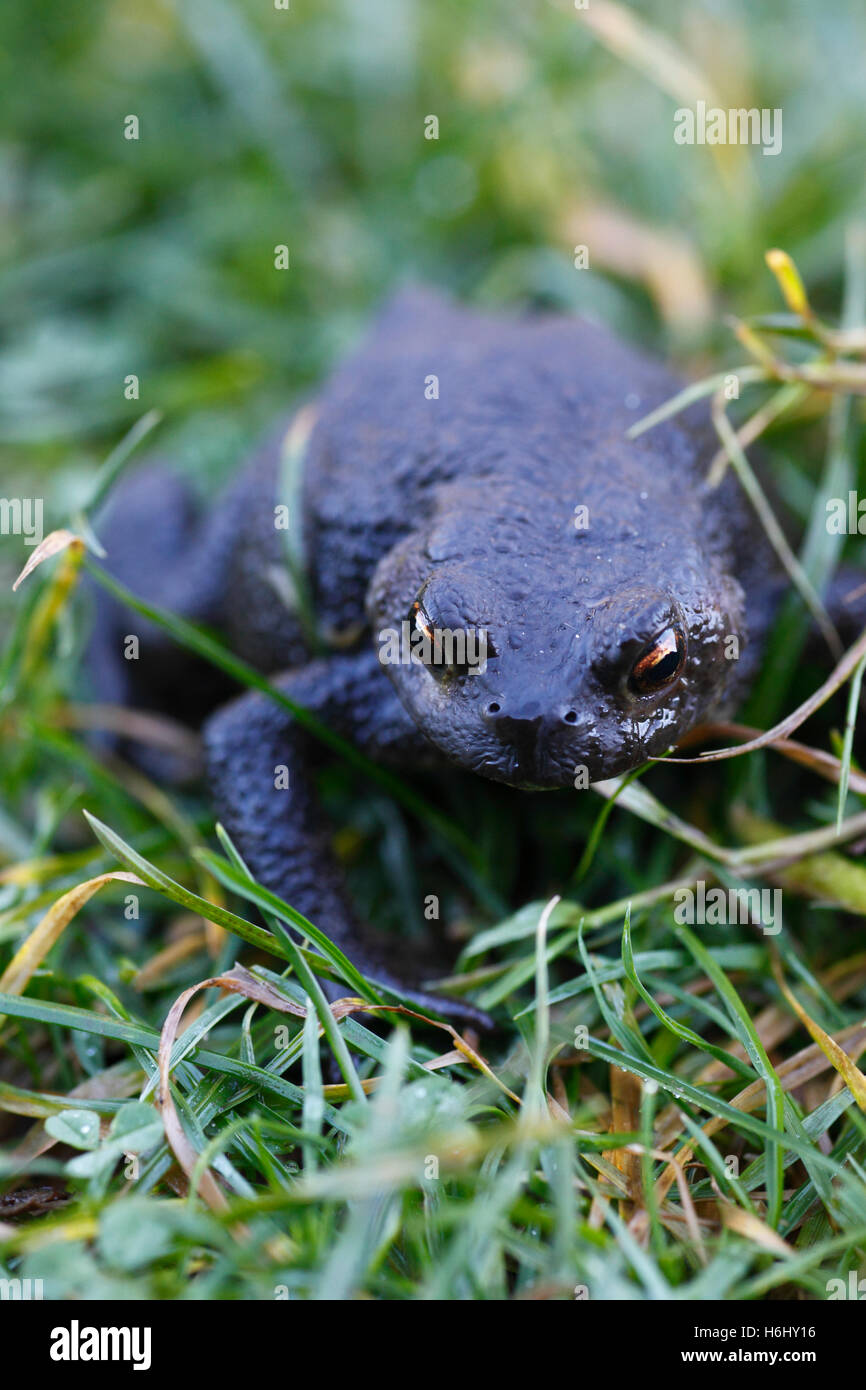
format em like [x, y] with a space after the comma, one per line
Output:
[540, 770]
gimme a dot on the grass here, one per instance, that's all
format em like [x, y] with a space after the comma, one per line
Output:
[665, 1112]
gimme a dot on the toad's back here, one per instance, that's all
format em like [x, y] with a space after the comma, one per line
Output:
[511, 423]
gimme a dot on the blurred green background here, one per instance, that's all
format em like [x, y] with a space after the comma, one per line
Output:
[262, 126]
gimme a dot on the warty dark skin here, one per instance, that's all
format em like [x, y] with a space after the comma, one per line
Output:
[623, 601]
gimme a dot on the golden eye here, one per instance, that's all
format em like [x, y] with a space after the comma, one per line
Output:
[660, 663]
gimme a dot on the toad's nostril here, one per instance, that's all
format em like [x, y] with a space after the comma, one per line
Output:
[493, 708]
[570, 716]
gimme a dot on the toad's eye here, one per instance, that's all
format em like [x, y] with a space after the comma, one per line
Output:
[660, 663]
[420, 621]
[447, 651]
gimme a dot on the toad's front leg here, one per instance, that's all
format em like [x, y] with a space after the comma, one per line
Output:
[273, 817]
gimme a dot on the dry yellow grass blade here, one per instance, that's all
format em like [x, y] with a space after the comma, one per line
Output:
[836, 1056]
[144, 726]
[238, 981]
[639, 1224]
[51, 545]
[51, 603]
[818, 760]
[625, 1094]
[35, 948]
[636, 42]
[662, 259]
[170, 956]
[29, 872]
[468, 1053]
[745, 1223]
